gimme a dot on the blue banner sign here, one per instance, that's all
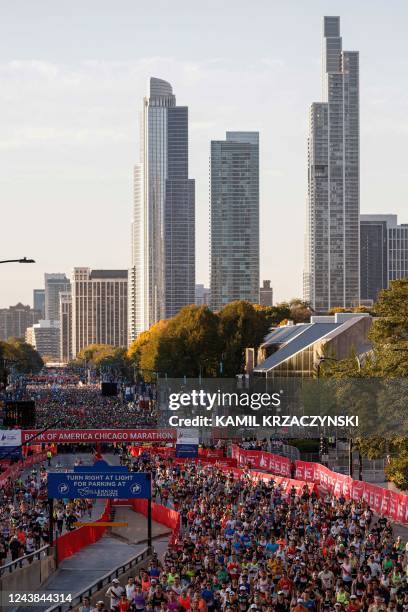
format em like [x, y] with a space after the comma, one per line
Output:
[188, 451]
[99, 482]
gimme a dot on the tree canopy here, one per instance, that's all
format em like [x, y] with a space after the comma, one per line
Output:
[101, 356]
[198, 341]
[23, 356]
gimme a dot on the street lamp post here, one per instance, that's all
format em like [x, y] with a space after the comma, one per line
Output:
[23, 260]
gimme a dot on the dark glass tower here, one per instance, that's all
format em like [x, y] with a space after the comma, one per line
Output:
[235, 219]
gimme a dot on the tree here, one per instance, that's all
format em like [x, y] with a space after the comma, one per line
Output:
[143, 339]
[273, 315]
[100, 356]
[240, 327]
[397, 471]
[389, 333]
[300, 311]
[185, 345]
[24, 356]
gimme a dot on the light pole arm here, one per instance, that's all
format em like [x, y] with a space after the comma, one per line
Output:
[22, 260]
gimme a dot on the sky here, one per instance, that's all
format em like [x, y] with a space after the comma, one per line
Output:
[72, 78]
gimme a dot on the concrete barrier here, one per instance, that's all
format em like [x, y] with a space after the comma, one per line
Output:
[29, 577]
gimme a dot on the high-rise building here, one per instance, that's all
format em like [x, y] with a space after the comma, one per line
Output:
[15, 320]
[39, 301]
[54, 283]
[235, 219]
[65, 317]
[384, 253]
[162, 272]
[266, 294]
[44, 336]
[99, 307]
[332, 258]
[202, 295]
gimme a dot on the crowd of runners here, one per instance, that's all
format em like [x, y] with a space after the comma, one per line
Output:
[84, 407]
[24, 515]
[245, 545]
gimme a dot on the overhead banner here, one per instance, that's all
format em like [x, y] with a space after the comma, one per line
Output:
[99, 435]
[10, 444]
[101, 481]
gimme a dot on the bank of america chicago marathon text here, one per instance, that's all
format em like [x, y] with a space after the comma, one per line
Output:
[276, 420]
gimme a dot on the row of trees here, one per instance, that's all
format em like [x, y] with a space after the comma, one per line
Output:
[195, 341]
[198, 341]
[382, 397]
[16, 353]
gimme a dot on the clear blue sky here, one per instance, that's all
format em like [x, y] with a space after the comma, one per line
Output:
[72, 77]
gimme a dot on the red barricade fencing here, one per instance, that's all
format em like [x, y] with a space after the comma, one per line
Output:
[15, 470]
[209, 453]
[221, 462]
[389, 504]
[262, 459]
[160, 514]
[285, 483]
[162, 451]
[72, 542]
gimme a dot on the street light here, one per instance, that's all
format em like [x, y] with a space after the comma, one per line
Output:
[23, 260]
[350, 450]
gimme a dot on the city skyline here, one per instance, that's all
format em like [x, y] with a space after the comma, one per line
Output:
[74, 152]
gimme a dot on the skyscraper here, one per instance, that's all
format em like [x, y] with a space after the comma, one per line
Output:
[15, 320]
[65, 327]
[44, 336]
[54, 283]
[39, 301]
[162, 273]
[384, 253]
[266, 294]
[202, 295]
[332, 258]
[99, 308]
[235, 219]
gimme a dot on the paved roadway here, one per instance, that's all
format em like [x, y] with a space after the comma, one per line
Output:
[96, 560]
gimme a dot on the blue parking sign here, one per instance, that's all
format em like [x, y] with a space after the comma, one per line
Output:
[99, 482]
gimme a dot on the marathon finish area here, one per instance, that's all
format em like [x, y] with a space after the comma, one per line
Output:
[98, 435]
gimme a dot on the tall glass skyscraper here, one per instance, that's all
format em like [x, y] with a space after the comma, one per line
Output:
[332, 258]
[162, 273]
[235, 219]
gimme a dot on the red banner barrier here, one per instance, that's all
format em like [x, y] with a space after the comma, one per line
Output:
[100, 435]
[211, 452]
[225, 461]
[160, 514]
[72, 542]
[15, 470]
[285, 483]
[136, 451]
[263, 460]
[387, 503]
